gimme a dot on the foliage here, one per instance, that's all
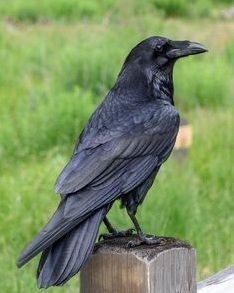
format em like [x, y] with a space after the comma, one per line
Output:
[85, 10]
[43, 10]
[183, 8]
[201, 86]
[230, 52]
[53, 79]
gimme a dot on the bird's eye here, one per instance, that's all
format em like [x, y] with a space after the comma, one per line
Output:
[159, 48]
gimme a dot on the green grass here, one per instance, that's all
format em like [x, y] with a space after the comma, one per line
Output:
[190, 9]
[54, 76]
[33, 11]
[58, 60]
[89, 10]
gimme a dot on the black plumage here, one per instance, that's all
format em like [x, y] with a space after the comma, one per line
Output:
[117, 156]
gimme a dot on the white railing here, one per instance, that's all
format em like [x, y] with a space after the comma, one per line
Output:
[222, 282]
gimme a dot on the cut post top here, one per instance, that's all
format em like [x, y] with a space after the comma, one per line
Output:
[147, 252]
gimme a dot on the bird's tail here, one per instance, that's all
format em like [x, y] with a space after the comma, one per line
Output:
[64, 258]
[66, 242]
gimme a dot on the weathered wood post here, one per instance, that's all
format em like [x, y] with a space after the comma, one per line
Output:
[165, 268]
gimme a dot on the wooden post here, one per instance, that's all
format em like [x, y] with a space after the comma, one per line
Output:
[165, 268]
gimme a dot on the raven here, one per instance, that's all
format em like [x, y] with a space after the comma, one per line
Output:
[118, 155]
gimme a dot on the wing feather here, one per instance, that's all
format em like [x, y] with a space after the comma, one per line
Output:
[97, 162]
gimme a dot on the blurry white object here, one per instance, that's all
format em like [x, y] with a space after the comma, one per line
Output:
[222, 282]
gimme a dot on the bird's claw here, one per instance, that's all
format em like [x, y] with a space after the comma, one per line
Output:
[116, 234]
[143, 239]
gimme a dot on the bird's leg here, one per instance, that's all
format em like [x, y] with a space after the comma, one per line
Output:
[142, 238]
[113, 233]
[108, 225]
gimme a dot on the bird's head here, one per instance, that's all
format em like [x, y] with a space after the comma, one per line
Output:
[152, 61]
[160, 51]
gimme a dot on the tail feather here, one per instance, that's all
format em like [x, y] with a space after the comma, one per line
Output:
[72, 210]
[64, 258]
[40, 242]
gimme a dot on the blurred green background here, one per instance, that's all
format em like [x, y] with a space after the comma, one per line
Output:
[58, 59]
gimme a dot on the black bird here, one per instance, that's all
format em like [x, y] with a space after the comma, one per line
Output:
[118, 155]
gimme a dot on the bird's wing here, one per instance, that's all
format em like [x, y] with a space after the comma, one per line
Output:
[133, 143]
[107, 170]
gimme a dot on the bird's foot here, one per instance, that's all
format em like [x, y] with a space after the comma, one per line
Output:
[144, 239]
[116, 234]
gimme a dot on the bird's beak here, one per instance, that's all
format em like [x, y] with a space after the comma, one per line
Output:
[184, 48]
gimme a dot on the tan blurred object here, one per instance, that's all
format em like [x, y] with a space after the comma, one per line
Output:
[228, 13]
[184, 137]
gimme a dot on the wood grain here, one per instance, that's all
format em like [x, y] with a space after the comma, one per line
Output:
[165, 268]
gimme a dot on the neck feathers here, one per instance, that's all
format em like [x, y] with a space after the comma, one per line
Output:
[141, 84]
[162, 86]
